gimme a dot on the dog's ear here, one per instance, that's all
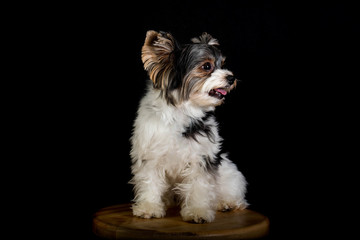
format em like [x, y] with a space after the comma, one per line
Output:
[205, 38]
[158, 58]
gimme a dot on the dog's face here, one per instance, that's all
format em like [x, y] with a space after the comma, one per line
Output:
[192, 72]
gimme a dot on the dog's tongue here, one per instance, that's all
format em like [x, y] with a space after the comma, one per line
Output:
[221, 91]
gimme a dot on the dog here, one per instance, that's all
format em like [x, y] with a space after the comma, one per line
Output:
[176, 149]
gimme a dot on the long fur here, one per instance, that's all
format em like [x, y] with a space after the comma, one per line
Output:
[176, 149]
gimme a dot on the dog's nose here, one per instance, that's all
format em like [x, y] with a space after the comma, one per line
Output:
[231, 79]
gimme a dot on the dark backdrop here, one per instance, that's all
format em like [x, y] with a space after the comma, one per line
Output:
[274, 124]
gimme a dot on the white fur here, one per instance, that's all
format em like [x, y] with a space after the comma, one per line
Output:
[167, 164]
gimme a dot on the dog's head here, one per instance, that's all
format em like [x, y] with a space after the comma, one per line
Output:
[192, 72]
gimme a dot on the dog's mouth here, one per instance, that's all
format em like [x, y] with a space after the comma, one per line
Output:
[218, 93]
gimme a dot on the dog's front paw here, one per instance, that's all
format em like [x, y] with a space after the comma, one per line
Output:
[148, 210]
[197, 215]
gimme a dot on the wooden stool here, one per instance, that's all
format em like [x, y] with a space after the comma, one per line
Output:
[118, 222]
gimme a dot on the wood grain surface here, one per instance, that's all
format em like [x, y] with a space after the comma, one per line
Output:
[117, 222]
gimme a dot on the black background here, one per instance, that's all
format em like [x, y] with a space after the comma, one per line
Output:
[292, 60]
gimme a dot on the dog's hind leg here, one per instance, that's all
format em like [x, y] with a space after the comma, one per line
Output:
[231, 187]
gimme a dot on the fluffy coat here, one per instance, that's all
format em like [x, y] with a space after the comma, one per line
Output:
[176, 149]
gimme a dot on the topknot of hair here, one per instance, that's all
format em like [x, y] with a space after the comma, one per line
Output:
[205, 38]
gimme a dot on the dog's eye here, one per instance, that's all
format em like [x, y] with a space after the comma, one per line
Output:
[207, 66]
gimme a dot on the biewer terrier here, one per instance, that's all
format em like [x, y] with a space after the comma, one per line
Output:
[176, 149]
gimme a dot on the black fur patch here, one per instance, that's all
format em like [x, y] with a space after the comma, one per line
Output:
[212, 164]
[200, 127]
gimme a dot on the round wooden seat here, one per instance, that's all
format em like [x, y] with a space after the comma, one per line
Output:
[118, 222]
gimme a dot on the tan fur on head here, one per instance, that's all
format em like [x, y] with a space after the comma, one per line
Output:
[156, 56]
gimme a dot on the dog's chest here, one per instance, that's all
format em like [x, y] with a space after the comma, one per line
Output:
[200, 127]
[191, 141]
[174, 137]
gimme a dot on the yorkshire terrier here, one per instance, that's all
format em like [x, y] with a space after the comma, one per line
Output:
[176, 149]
